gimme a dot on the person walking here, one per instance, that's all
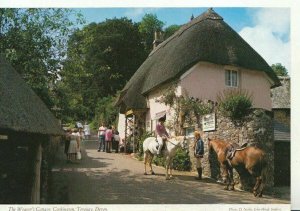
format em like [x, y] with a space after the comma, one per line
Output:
[161, 133]
[87, 131]
[198, 153]
[108, 139]
[67, 139]
[101, 136]
[74, 145]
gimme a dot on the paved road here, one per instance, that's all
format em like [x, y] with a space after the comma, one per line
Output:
[110, 178]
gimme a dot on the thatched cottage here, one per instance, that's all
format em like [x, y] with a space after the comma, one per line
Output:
[205, 57]
[26, 129]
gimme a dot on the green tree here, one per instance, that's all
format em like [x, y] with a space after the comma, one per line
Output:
[279, 69]
[34, 42]
[106, 111]
[149, 24]
[101, 58]
[170, 30]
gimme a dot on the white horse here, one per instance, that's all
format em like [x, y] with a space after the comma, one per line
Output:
[150, 149]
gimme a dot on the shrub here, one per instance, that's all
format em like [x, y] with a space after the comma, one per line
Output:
[235, 103]
[182, 161]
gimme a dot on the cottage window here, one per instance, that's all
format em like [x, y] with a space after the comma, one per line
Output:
[231, 78]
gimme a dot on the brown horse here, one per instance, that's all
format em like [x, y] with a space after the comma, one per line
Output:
[251, 158]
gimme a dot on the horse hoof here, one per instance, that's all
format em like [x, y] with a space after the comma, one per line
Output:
[152, 173]
[145, 173]
[226, 188]
[255, 193]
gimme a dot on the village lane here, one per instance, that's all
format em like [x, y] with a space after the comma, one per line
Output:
[110, 178]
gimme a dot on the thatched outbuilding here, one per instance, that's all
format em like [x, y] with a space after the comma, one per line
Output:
[26, 130]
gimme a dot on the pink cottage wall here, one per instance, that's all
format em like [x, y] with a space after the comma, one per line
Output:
[156, 107]
[205, 80]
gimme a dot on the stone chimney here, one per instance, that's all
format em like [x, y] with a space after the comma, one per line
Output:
[157, 39]
[192, 17]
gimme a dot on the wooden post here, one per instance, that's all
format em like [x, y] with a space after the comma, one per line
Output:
[125, 141]
[133, 134]
[36, 185]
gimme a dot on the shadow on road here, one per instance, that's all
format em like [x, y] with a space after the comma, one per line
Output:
[102, 178]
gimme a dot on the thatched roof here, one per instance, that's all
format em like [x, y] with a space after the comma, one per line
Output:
[281, 96]
[206, 38]
[21, 109]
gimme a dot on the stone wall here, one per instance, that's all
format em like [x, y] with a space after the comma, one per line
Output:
[256, 129]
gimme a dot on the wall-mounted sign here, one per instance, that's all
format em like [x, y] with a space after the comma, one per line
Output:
[3, 137]
[209, 122]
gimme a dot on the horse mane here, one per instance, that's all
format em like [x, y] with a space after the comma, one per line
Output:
[179, 138]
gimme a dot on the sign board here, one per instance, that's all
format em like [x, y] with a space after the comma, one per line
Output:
[209, 122]
[3, 137]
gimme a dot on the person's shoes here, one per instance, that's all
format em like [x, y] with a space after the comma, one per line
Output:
[199, 170]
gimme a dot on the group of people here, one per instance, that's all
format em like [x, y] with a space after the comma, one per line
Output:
[73, 138]
[198, 145]
[108, 136]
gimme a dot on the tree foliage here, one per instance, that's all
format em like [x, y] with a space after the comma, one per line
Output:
[149, 24]
[170, 30]
[101, 58]
[279, 69]
[34, 42]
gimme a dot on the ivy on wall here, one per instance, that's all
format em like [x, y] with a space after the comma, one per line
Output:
[186, 108]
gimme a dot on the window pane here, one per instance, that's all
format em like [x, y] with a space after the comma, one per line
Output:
[234, 78]
[231, 78]
[227, 78]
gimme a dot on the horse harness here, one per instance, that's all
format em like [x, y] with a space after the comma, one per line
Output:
[231, 150]
[164, 143]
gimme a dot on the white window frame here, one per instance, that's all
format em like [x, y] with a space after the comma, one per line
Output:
[231, 81]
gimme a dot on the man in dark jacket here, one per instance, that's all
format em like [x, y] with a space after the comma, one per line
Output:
[198, 153]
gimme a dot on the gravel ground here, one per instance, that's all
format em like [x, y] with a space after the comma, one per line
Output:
[111, 178]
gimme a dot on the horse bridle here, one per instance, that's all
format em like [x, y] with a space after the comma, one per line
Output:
[173, 143]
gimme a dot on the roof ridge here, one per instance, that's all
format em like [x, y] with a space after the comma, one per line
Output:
[209, 14]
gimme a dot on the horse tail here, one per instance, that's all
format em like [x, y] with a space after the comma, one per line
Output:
[264, 167]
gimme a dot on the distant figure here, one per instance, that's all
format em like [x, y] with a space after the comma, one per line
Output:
[116, 140]
[101, 136]
[74, 145]
[161, 133]
[108, 139]
[78, 125]
[86, 130]
[67, 139]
